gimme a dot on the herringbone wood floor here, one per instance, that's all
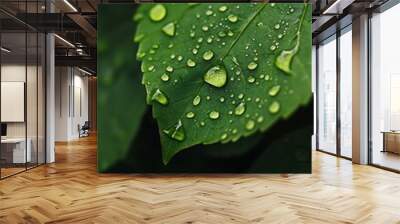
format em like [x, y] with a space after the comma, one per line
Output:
[70, 191]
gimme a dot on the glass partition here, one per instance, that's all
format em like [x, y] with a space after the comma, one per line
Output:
[31, 100]
[14, 151]
[22, 101]
[327, 95]
[385, 89]
[346, 92]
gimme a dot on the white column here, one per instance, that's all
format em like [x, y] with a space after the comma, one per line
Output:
[360, 90]
[50, 99]
[50, 92]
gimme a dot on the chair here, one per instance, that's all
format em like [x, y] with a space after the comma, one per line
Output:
[84, 130]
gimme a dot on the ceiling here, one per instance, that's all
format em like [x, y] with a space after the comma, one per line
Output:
[76, 22]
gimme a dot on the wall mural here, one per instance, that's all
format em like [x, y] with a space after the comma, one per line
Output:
[205, 88]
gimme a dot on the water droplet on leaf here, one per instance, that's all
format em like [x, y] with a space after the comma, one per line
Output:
[216, 76]
[208, 55]
[221, 34]
[252, 65]
[158, 12]
[232, 18]
[138, 37]
[251, 79]
[214, 115]
[169, 69]
[274, 107]
[222, 8]
[190, 63]
[274, 90]
[250, 124]
[140, 55]
[190, 115]
[196, 100]
[160, 97]
[224, 136]
[169, 29]
[176, 132]
[284, 60]
[164, 77]
[240, 109]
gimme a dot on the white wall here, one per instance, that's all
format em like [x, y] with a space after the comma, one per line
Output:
[16, 73]
[71, 93]
[62, 81]
[33, 127]
[81, 96]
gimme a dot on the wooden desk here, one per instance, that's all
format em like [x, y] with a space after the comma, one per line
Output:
[391, 141]
[13, 150]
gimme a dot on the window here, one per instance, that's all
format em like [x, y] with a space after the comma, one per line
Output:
[346, 92]
[327, 95]
[385, 89]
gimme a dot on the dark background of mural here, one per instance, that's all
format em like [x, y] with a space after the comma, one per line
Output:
[128, 138]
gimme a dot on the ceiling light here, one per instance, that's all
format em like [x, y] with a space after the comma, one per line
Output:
[5, 50]
[70, 5]
[338, 6]
[64, 40]
[84, 71]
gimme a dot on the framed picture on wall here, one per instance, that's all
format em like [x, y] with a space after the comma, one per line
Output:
[204, 88]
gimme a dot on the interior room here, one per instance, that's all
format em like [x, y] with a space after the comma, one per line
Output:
[22, 102]
[51, 85]
[385, 111]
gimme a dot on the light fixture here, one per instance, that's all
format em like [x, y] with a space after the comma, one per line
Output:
[337, 7]
[84, 71]
[5, 50]
[70, 5]
[64, 40]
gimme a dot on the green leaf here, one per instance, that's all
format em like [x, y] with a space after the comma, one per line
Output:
[121, 103]
[224, 70]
